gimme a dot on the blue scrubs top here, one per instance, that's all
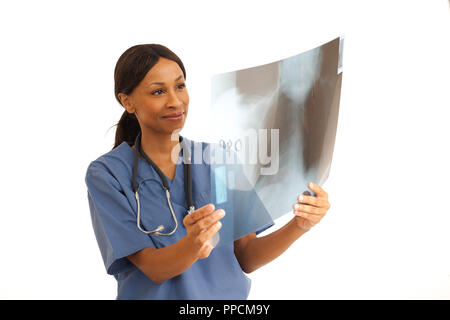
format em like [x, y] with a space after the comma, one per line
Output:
[113, 210]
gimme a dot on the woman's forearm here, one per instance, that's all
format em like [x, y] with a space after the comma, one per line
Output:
[162, 264]
[259, 251]
[165, 263]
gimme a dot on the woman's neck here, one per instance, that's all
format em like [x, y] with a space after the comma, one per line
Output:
[161, 148]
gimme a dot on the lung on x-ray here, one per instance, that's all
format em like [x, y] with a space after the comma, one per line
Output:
[276, 124]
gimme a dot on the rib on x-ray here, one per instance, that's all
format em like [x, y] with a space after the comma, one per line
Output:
[276, 126]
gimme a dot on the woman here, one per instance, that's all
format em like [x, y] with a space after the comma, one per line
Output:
[150, 85]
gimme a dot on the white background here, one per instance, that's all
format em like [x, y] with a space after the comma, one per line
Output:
[386, 235]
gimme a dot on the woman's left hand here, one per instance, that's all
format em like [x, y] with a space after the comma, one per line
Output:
[311, 209]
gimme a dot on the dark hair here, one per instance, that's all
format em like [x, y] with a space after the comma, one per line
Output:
[131, 68]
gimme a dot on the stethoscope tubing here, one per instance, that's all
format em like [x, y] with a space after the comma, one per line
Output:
[158, 230]
[165, 186]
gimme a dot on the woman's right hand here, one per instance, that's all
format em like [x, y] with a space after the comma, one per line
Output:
[201, 225]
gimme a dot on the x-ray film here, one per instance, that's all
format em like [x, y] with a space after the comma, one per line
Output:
[275, 128]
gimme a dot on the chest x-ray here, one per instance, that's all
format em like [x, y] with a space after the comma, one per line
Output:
[276, 124]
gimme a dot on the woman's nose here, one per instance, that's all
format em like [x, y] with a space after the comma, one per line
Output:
[174, 100]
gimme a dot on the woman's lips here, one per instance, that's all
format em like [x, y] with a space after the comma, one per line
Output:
[174, 116]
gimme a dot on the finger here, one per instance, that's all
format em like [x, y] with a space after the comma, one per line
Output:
[310, 217]
[207, 221]
[205, 250]
[208, 233]
[314, 201]
[318, 190]
[198, 214]
[309, 209]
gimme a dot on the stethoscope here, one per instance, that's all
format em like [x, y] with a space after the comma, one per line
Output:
[165, 185]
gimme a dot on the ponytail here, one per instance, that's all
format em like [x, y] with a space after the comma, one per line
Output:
[127, 129]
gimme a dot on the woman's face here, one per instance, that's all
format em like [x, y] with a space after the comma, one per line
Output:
[161, 100]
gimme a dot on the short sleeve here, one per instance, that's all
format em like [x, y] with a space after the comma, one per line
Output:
[250, 213]
[265, 228]
[113, 220]
[264, 218]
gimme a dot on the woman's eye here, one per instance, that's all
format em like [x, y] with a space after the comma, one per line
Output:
[180, 86]
[153, 93]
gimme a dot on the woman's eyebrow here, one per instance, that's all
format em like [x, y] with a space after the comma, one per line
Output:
[161, 83]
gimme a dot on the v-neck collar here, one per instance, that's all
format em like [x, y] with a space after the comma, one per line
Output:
[179, 163]
[177, 171]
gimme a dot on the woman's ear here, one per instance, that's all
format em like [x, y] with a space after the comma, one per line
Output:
[125, 100]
